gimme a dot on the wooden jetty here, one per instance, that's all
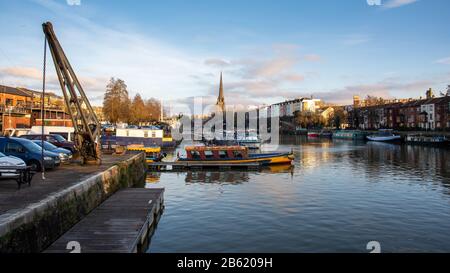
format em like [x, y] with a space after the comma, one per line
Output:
[123, 223]
[180, 166]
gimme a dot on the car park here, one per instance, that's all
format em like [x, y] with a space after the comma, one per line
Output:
[54, 139]
[64, 154]
[29, 152]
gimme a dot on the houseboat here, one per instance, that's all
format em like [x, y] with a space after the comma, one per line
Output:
[313, 134]
[147, 137]
[384, 135]
[232, 155]
[326, 134]
[428, 140]
[350, 134]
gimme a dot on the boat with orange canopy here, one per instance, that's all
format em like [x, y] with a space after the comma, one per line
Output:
[233, 155]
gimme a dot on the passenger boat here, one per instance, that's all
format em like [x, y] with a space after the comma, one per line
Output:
[232, 155]
[384, 136]
[152, 154]
[427, 140]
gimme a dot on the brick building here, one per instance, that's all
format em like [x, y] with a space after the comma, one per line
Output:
[424, 114]
[15, 108]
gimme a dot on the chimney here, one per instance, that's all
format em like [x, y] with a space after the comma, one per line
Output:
[430, 94]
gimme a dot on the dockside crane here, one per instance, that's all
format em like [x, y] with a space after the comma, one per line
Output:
[85, 122]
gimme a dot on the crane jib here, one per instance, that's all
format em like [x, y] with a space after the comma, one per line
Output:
[86, 125]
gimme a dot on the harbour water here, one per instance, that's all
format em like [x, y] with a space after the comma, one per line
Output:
[339, 196]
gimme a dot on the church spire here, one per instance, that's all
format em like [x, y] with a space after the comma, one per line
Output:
[221, 99]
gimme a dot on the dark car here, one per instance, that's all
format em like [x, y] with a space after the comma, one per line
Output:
[29, 152]
[54, 139]
[64, 154]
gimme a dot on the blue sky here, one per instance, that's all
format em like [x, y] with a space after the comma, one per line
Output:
[269, 51]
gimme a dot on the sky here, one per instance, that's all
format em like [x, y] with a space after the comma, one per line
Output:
[268, 51]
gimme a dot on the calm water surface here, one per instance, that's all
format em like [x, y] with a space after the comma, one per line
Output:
[339, 196]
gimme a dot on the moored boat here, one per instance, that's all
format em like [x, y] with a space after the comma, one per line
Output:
[232, 155]
[384, 136]
[252, 141]
[152, 154]
[326, 134]
[427, 140]
[350, 134]
[313, 134]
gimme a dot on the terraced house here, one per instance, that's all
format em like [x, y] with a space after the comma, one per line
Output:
[431, 113]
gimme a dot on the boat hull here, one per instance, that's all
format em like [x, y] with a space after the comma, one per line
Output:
[384, 138]
[262, 159]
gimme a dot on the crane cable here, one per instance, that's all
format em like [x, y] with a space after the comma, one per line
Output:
[42, 108]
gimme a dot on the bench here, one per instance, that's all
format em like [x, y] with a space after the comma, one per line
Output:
[23, 175]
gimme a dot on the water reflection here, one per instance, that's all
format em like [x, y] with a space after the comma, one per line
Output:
[339, 196]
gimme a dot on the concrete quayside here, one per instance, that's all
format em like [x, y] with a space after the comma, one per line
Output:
[33, 218]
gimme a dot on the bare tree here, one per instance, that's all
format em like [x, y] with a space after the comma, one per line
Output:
[116, 102]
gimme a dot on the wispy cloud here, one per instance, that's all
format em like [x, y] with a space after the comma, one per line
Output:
[443, 61]
[385, 88]
[391, 4]
[216, 62]
[355, 39]
[312, 58]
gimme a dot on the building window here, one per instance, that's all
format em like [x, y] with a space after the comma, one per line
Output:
[9, 102]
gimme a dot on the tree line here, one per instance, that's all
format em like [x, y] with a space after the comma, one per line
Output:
[119, 107]
[314, 120]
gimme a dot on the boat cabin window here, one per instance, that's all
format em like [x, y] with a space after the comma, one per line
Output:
[195, 155]
[238, 154]
[153, 134]
[223, 154]
[145, 133]
[209, 154]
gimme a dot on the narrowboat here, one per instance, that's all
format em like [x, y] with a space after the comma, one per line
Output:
[233, 155]
[350, 134]
[152, 154]
[313, 134]
[145, 136]
[326, 134]
[384, 135]
[427, 140]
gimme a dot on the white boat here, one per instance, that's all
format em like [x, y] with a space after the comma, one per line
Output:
[250, 139]
[384, 136]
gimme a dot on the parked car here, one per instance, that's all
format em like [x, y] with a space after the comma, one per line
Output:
[64, 154]
[29, 152]
[10, 162]
[54, 139]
